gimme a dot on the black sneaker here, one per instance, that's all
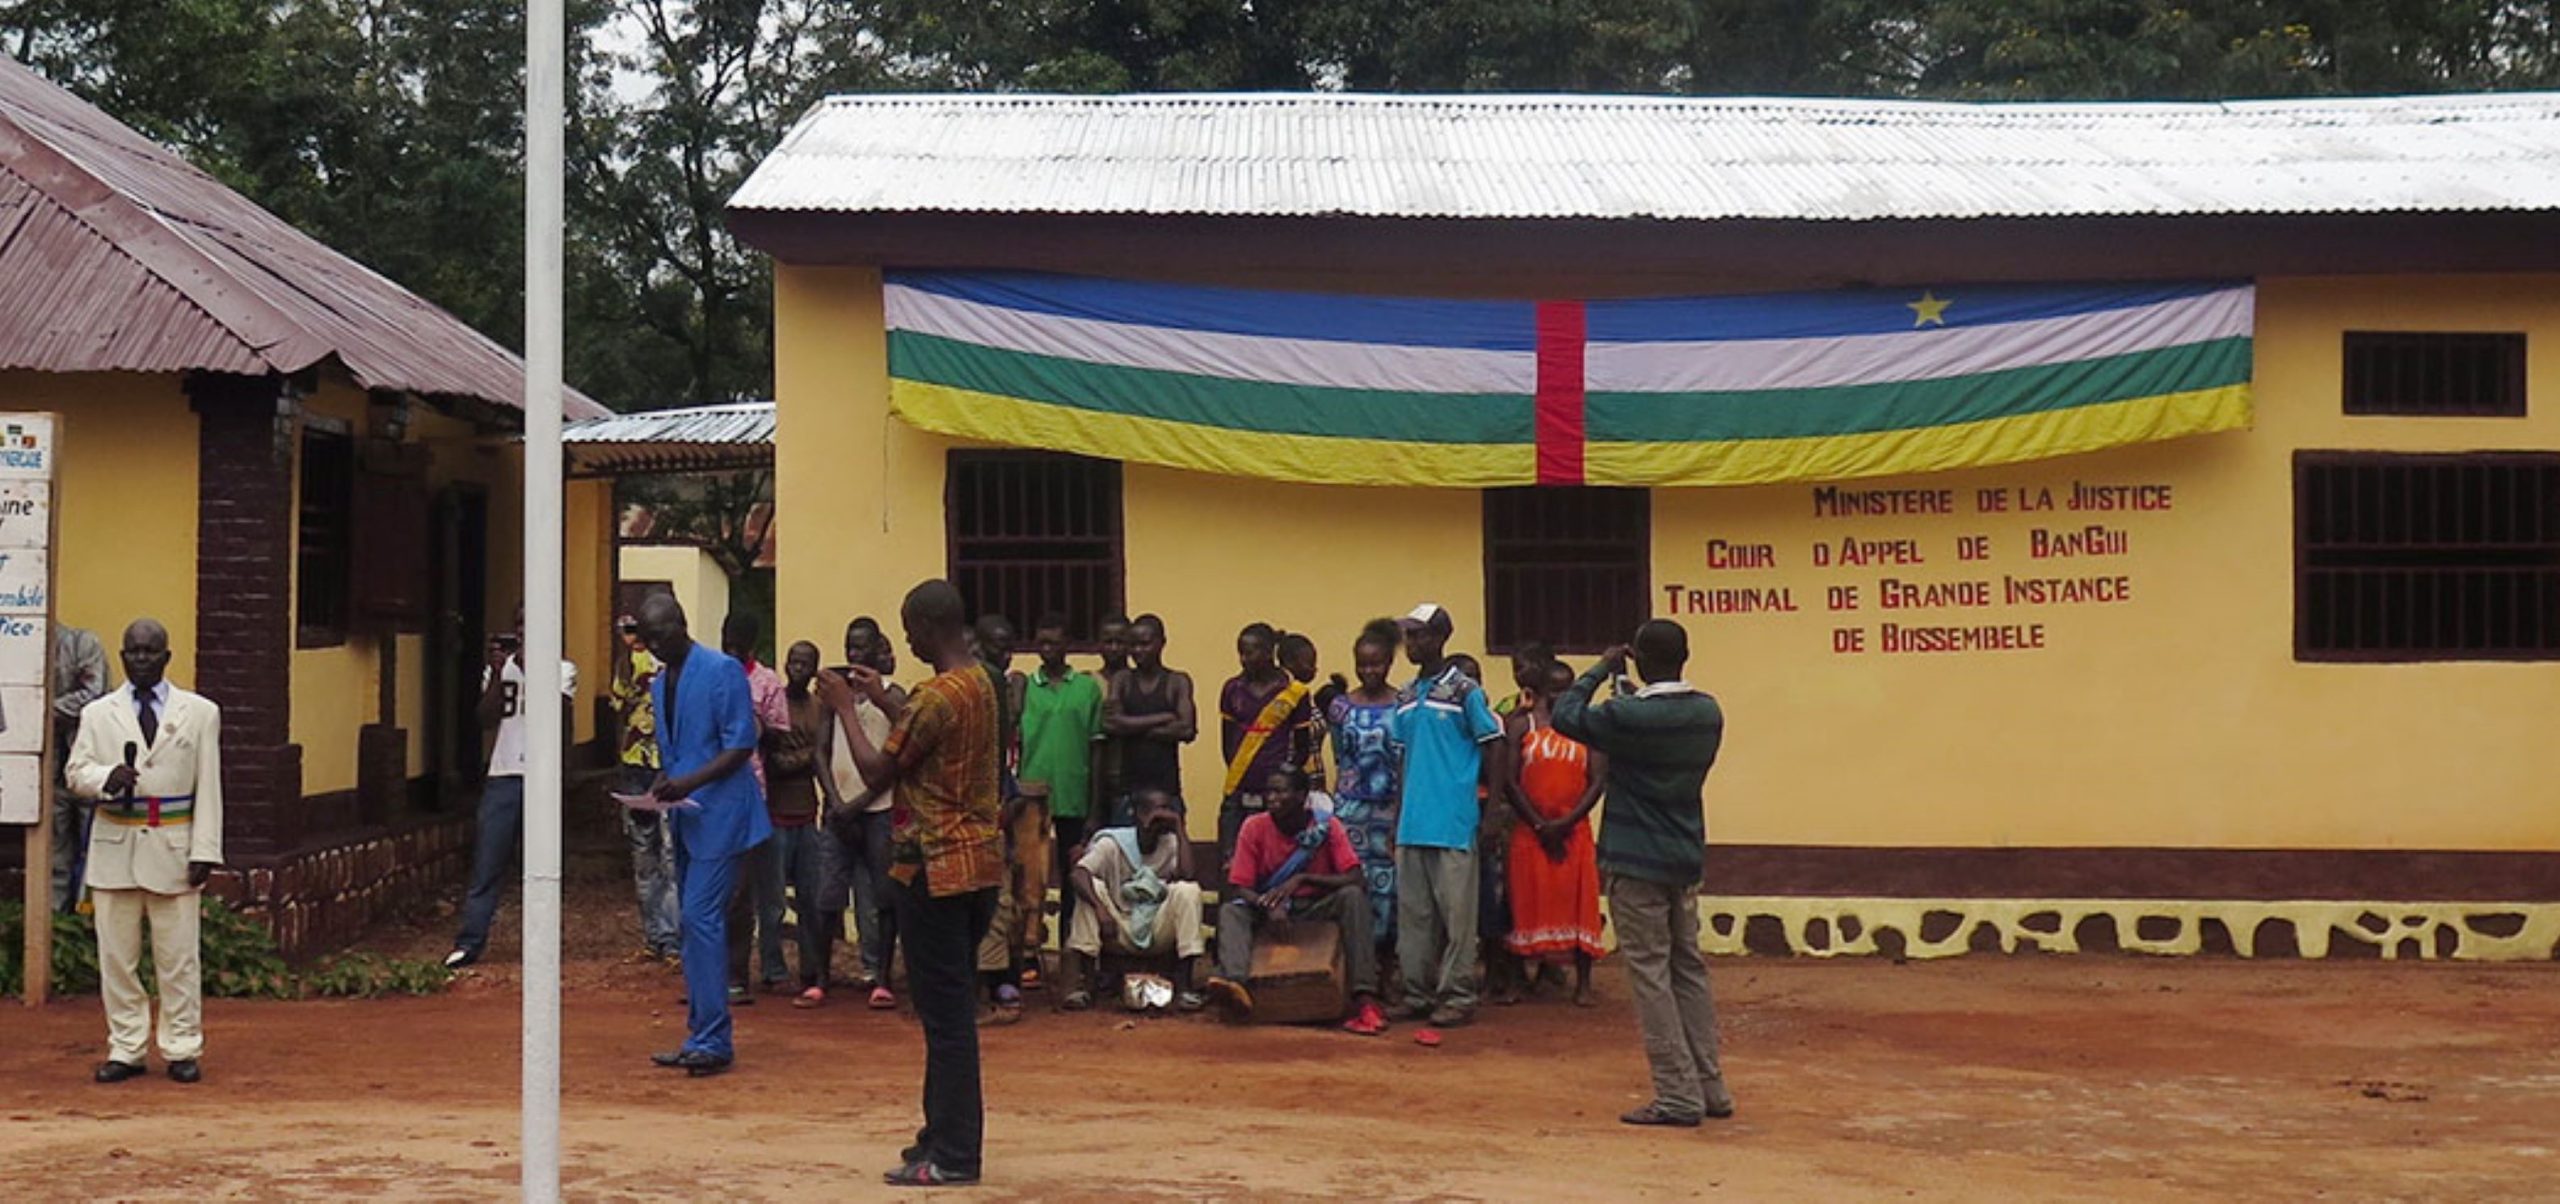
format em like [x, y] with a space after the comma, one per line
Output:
[928, 1174]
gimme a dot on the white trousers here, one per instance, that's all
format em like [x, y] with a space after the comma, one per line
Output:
[119, 917]
[1178, 918]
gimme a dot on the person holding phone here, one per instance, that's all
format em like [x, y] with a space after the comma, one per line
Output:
[502, 795]
[1660, 740]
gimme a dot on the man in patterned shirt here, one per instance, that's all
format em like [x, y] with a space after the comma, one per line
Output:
[946, 861]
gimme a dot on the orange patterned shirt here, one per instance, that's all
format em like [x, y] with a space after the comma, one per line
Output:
[946, 821]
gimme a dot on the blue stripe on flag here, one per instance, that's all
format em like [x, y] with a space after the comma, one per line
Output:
[1341, 318]
[1865, 311]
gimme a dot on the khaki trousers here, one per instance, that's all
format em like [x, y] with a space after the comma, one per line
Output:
[120, 915]
[1658, 936]
[1436, 901]
[1179, 919]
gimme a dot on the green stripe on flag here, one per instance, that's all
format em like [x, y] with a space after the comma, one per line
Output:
[1243, 405]
[1910, 405]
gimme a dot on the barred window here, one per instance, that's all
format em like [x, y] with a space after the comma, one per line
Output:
[2435, 374]
[2426, 557]
[1035, 532]
[323, 555]
[1571, 567]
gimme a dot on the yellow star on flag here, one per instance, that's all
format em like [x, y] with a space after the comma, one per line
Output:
[1929, 310]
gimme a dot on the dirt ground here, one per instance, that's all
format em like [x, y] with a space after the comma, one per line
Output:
[2048, 1078]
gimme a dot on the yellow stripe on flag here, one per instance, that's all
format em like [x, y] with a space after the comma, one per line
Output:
[2008, 440]
[1315, 459]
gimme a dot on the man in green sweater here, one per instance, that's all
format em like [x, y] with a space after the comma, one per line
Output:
[1661, 740]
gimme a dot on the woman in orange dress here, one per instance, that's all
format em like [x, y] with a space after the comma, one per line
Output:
[1555, 874]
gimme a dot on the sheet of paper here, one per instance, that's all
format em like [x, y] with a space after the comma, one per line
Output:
[651, 802]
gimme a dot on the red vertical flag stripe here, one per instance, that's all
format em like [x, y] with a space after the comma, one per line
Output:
[1560, 338]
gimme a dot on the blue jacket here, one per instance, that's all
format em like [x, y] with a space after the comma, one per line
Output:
[711, 714]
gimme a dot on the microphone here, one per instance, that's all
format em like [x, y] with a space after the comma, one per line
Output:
[131, 751]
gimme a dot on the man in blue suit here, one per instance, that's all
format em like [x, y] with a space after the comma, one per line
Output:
[706, 737]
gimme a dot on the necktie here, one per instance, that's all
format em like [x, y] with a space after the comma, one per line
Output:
[150, 721]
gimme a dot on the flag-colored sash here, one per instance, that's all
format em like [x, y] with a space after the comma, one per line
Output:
[1275, 713]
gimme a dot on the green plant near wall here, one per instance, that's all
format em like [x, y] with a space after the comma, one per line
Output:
[239, 956]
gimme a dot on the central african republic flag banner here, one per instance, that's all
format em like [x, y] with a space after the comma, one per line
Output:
[1726, 390]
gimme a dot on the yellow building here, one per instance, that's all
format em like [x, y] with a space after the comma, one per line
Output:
[310, 475]
[2280, 686]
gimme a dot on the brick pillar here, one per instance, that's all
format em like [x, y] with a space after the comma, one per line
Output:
[244, 603]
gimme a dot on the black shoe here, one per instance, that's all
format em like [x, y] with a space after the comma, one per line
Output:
[928, 1174]
[460, 957]
[673, 1059]
[112, 1071]
[186, 1071]
[703, 1065]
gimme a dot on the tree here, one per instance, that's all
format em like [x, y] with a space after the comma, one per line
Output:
[671, 128]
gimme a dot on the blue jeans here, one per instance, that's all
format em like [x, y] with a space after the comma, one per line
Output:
[653, 865]
[708, 882]
[501, 822]
[793, 864]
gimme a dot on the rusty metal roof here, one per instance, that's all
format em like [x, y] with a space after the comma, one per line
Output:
[117, 255]
[1658, 158]
[696, 439]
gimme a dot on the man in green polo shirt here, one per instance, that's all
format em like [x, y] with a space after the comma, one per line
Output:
[1062, 747]
[1661, 740]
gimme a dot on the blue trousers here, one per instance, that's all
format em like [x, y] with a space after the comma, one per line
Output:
[501, 822]
[708, 882]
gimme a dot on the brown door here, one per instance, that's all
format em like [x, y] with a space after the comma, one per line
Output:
[455, 635]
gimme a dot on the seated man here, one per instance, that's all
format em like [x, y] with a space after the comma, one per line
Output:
[1136, 890]
[1294, 864]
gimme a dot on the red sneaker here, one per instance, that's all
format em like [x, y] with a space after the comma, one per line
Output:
[1370, 1021]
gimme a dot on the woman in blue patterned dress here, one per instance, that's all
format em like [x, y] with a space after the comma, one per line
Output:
[1365, 769]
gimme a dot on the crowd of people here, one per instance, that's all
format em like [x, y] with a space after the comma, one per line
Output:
[1445, 834]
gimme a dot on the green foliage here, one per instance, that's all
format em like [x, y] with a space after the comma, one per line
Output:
[369, 976]
[75, 952]
[239, 957]
[239, 960]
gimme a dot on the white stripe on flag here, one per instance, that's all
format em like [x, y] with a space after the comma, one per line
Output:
[1312, 362]
[1956, 350]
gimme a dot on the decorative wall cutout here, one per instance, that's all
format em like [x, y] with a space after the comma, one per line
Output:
[1934, 928]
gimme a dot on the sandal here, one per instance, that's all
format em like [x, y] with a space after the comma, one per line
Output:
[1076, 1001]
[882, 999]
[1370, 1021]
[813, 997]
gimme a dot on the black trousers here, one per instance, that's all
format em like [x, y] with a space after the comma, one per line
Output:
[941, 936]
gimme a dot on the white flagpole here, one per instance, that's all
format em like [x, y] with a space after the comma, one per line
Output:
[546, 60]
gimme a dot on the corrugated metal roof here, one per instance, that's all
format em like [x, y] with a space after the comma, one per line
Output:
[118, 255]
[1678, 159]
[695, 439]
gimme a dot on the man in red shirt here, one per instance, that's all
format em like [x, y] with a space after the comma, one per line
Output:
[1292, 864]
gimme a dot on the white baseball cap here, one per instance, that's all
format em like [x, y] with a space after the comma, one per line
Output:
[1429, 614]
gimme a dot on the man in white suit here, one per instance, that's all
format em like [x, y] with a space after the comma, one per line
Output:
[150, 755]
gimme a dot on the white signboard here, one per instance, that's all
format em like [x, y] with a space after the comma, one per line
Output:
[26, 613]
[26, 513]
[24, 640]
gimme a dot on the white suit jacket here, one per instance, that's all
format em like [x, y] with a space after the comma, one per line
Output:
[185, 760]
